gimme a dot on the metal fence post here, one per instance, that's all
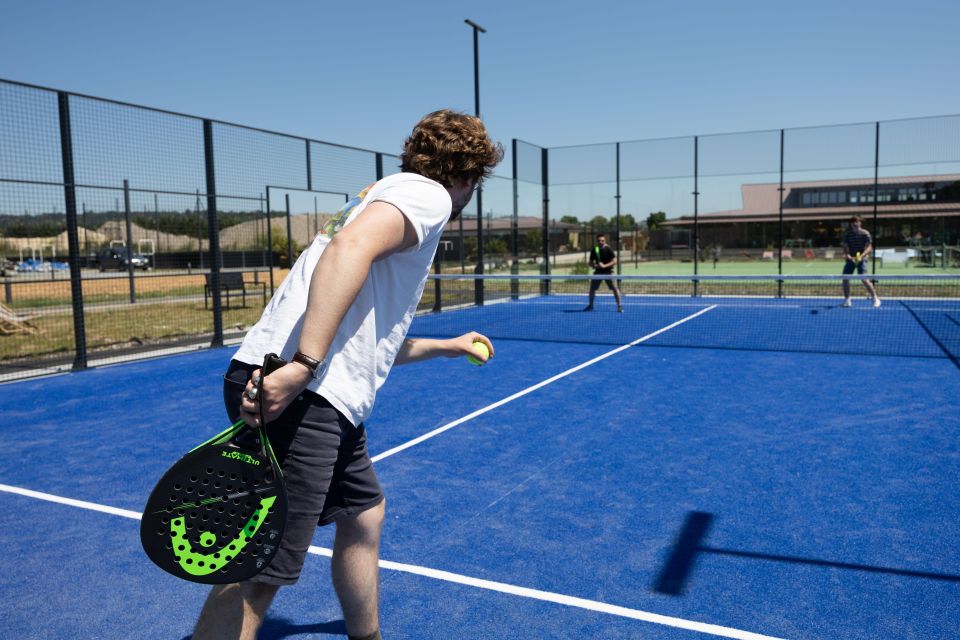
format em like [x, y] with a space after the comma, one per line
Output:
[213, 228]
[515, 227]
[876, 193]
[309, 168]
[129, 247]
[545, 181]
[780, 191]
[269, 243]
[478, 282]
[286, 198]
[696, 211]
[437, 285]
[73, 239]
[617, 198]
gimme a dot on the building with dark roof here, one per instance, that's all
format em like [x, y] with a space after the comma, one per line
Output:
[900, 211]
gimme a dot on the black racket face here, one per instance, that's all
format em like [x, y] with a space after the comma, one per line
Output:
[216, 516]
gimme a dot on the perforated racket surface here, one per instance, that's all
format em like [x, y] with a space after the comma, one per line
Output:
[218, 514]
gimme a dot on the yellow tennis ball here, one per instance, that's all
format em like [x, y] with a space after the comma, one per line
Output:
[479, 347]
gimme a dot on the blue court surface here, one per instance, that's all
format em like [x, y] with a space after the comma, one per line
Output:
[685, 470]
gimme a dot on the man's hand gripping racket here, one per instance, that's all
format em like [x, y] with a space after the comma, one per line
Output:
[218, 514]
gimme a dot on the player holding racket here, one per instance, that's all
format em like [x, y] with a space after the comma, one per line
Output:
[340, 319]
[603, 259]
[857, 245]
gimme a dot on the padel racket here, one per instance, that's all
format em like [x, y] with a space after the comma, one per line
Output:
[218, 514]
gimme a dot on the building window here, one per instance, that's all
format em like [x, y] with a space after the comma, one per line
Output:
[907, 194]
[806, 199]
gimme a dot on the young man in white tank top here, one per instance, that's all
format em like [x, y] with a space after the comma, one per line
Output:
[340, 319]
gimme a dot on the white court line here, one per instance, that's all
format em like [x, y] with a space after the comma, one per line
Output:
[436, 574]
[92, 506]
[520, 394]
[557, 598]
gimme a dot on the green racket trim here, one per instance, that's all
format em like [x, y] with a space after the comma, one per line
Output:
[223, 436]
[203, 564]
[270, 456]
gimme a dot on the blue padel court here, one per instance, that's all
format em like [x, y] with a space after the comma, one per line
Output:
[691, 468]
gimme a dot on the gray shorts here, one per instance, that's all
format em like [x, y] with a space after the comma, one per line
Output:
[326, 468]
[850, 266]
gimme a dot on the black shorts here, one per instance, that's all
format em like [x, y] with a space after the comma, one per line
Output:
[595, 284]
[326, 468]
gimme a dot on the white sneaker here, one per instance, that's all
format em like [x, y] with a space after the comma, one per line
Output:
[876, 302]
[847, 302]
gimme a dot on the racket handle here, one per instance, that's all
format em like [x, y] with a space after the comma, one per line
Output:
[272, 362]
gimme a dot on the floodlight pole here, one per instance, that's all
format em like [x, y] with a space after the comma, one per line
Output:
[478, 283]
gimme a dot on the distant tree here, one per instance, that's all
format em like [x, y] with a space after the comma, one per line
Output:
[470, 248]
[34, 229]
[533, 241]
[580, 268]
[497, 247]
[278, 246]
[599, 222]
[570, 219]
[655, 219]
[627, 221]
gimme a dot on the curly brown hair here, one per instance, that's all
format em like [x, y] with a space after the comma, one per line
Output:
[451, 148]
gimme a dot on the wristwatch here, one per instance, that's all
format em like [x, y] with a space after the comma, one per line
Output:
[315, 366]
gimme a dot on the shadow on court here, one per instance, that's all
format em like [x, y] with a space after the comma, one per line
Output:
[677, 570]
[277, 628]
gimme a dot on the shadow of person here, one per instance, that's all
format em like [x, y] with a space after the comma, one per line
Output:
[277, 628]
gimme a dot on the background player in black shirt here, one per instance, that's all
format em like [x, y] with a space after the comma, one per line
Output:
[603, 259]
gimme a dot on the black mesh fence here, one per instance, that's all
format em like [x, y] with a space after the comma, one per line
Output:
[656, 176]
[126, 230]
[531, 208]
[775, 202]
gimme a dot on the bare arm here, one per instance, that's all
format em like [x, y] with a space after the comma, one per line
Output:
[417, 349]
[379, 231]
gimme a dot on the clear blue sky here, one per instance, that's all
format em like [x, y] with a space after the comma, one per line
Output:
[554, 73]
